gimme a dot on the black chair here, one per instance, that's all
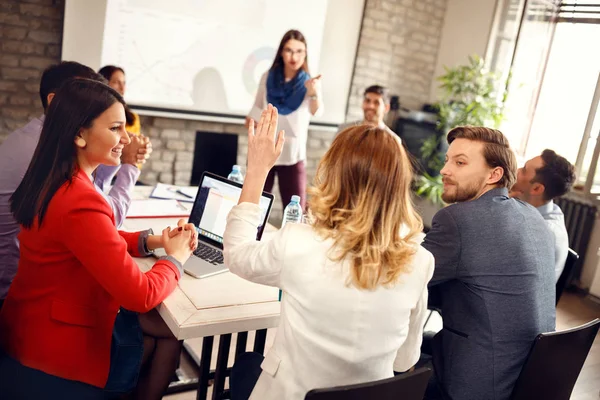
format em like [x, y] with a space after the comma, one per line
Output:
[408, 386]
[563, 280]
[554, 363]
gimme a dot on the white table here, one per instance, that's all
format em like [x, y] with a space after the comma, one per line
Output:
[187, 320]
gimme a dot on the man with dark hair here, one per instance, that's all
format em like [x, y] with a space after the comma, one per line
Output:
[15, 155]
[55, 75]
[539, 182]
[493, 274]
[375, 105]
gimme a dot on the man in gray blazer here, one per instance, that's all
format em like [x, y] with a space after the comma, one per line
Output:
[494, 271]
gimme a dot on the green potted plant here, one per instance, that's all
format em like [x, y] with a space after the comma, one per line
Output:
[470, 95]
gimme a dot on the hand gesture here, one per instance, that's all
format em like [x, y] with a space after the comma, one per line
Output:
[191, 228]
[144, 150]
[137, 151]
[263, 148]
[313, 85]
[178, 242]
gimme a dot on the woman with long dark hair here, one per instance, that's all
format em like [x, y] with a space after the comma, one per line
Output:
[65, 327]
[288, 86]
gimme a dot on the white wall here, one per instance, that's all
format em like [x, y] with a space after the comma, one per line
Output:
[466, 31]
[212, 54]
[82, 37]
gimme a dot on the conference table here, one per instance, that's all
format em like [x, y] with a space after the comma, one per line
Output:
[222, 305]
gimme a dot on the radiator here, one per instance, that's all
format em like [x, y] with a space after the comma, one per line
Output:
[579, 220]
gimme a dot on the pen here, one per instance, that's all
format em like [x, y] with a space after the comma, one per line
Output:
[184, 194]
[181, 206]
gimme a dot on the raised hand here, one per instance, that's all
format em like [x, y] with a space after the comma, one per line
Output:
[313, 85]
[263, 147]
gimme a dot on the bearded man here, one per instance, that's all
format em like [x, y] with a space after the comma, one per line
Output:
[494, 271]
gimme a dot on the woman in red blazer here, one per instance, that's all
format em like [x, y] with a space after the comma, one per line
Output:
[61, 325]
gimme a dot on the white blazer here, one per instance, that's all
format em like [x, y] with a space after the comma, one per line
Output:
[330, 333]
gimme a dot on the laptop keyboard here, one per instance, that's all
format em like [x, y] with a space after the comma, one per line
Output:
[209, 254]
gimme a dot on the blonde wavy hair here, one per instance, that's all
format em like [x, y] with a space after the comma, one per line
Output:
[361, 199]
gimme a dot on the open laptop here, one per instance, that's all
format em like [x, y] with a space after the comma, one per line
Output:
[216, 197]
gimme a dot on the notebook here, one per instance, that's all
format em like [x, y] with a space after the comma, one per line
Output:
[153, 208]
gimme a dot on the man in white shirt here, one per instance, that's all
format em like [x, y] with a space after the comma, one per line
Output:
[376, 104]
[539, 181]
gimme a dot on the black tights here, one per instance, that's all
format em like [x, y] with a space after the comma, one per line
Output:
[159, 361]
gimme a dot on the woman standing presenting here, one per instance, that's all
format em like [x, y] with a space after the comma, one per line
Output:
[288, 86]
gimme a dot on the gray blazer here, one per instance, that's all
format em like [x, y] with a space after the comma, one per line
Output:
[494, 275]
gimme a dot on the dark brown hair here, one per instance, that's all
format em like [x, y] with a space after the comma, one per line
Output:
[107, 72]
[380, 90]
[57, 74]
[557, 175]
[292, 34]
[77, 103]
[496, 150]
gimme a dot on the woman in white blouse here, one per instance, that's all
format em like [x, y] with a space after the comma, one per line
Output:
[354, 280]
[288, 86]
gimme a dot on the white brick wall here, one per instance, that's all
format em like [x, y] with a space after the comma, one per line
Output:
[397, 48]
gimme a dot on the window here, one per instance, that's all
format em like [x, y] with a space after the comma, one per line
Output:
[535, 27]
[554, 85]
[566, 92]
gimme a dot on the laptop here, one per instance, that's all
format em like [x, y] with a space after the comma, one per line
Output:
[216, 197]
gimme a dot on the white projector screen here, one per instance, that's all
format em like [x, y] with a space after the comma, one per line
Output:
[204, 58]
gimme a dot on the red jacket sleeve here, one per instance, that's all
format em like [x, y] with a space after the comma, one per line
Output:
[133, 240]
[89, 232]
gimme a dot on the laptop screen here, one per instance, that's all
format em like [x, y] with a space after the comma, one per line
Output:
[216, 197]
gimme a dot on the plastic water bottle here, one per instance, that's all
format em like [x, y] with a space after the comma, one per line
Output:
[293, 212]
[236, 175]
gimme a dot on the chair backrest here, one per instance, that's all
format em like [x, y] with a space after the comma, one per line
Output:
[554, 363]
[561, 284]
[408, 386]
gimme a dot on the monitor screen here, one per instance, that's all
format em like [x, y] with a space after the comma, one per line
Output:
[214, 201]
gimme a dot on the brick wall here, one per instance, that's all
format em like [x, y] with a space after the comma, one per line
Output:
[397, 48]
[30, 40]
[173, 154]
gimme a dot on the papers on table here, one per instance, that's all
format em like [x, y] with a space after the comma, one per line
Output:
[209, 292]
[153, 208]
[164, 191]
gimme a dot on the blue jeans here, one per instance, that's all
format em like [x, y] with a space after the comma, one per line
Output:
[244, 375]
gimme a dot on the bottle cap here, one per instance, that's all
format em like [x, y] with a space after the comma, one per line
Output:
[236, 168]
[295, 199]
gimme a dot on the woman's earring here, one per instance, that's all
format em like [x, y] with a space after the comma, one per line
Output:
[79, 141]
